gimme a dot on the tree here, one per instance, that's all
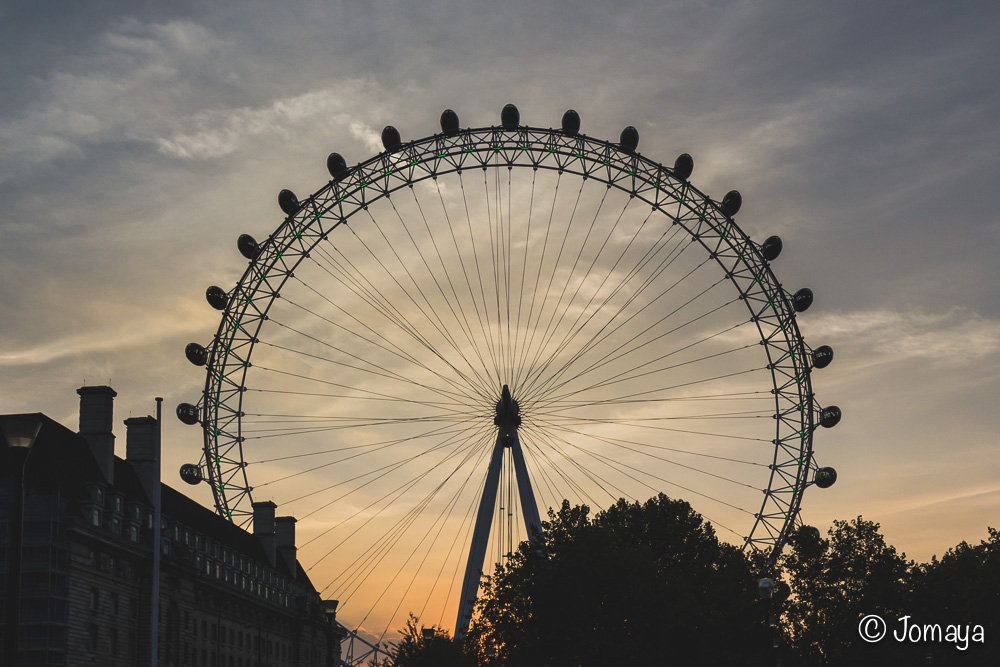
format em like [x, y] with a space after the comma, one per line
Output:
[428, 647]
[638, 584]
[963, 588]
[835, 583]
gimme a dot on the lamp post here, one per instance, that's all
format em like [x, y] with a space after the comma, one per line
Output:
[20, 432]
[766, 587]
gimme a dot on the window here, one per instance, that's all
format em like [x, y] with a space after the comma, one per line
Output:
[113, 641]
[92, 638]
[95, 516]
[95, 598]
[187, 536]
[133, 533]
[114, 603]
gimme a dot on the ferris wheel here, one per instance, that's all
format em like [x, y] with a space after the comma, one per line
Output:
[468, 328]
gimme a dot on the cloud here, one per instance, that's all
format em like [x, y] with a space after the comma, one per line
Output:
[216, 133]
[112, 337]
[956, 336]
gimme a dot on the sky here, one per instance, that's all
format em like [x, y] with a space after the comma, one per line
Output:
[138, 140]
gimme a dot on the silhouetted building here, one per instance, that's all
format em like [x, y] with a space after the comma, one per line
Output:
[228, 598]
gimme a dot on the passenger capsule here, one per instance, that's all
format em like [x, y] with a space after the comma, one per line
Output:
[337, 166]
[510, 117]
[825, 477]
[629, 139]
[771, 248]
[390, 138]
[822, 356]
[191, 473]
[216, 297]
[196, 354]
[571, 123]
[683, 166]
[830, 416]
[732, 202]
[187, 413]
[802, 299]
[288, 202]
[449, 121]
[247, 245]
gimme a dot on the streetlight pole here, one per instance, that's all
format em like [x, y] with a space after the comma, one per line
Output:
[154, 636]
[20, 432]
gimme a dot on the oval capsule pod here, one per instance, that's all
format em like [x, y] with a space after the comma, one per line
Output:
[216, 297]
[825, 477]
[830, 416]
[196, 354]
[288, 202]
[683, 166]
[732, 203]
[802, 299]
[191, 473]
[449, 121]
[187, 413]
[629, 139]
[510, 116]
[337, 166]
[571, 123]
[771, 248]
[247, 245]
[822, 356]
[390, 138]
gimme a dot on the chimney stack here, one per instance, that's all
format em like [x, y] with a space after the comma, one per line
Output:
[142, 453]
[96, 417]
[284, 537]
[263, 526]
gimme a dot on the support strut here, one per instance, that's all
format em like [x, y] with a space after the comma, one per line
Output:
[507, 421]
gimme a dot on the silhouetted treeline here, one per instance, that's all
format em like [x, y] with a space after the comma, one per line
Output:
[651, 584]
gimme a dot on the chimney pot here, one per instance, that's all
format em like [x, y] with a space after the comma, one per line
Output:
[142, 452]
[284, 534]
[263, 527]
[96, 419]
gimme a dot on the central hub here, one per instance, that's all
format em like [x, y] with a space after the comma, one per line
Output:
[508, 414]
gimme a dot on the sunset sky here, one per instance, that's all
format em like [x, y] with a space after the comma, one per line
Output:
[138, 140]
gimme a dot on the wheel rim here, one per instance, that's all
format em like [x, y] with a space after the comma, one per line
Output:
[337, 213]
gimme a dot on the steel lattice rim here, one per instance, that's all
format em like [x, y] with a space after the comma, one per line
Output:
[796, 411]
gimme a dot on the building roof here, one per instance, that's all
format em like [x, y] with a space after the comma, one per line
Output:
[61, 458]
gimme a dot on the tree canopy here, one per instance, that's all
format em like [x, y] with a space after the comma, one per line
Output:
[639, 583]
[651, 583]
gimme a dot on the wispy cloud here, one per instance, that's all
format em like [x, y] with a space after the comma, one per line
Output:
[953, 337]
[216, 133]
